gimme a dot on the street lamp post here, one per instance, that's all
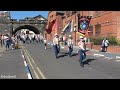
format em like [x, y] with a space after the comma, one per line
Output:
[75, 34]
[75, 29]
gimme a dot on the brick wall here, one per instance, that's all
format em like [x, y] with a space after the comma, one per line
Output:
[113, 49]
[109, 21]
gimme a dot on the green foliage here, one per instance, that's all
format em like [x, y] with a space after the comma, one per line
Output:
[112, 40]
[118, 43]
[96, 40]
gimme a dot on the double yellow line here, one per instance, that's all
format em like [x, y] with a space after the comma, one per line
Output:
[30, 60]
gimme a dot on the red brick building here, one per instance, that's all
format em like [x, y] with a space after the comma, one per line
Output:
[103, 23]
[55, 24]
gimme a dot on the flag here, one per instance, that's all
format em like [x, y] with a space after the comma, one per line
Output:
[65, 27]
[71, 26]
[55, 26]
[68, 28]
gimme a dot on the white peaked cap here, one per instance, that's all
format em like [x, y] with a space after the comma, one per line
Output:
[81, 36]
[56, 34]
[69, 35]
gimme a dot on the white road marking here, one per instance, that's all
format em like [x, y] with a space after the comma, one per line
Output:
[118, 57]
[25, 63]
[99, 55]
[108, 58]
[23, 56]
[29, 76]
[118, 61]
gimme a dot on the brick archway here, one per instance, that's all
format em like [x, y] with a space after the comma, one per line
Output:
[32, 28]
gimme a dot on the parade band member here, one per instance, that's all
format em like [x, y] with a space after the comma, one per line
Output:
[7, 43]
[55, 45]
[13, 42]
[45, 42]
[81, 52]
[70, 45]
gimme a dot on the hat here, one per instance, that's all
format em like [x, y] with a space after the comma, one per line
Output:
[81, 37]
[69, 35]
[56, 34]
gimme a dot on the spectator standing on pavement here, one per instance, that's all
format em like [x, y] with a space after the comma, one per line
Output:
[7, 43]
[3, 43]
[105, 44]
[55, 45]
[70, 45]
[81, 52]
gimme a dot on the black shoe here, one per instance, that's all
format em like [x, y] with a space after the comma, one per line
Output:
[56, 57]
[70, 56]
[81, 65]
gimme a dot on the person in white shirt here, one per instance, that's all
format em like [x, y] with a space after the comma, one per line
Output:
[70, 45]
[23, 38]
[55, 45]
[81, 52]
[30, 38]
[13, 42]
[45, 43]
[105, 44]
[36, 38]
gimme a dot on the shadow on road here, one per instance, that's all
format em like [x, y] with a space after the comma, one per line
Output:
[62, 55]
[64, 52]
[87, 61]
[49, 48]
[87, 50]
[75, 54]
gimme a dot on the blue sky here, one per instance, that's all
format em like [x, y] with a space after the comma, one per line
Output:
[23, 14]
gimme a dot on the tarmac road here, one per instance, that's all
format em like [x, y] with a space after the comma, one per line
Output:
[46, 66]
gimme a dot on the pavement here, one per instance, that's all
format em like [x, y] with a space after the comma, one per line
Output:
[96, 53]
[12, 64]
[2, 49]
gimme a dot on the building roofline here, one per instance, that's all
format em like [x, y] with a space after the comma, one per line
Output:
[40, 16]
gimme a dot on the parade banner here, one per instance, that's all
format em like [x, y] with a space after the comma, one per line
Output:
[55, 26]
[50, 26]
[83, 24]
